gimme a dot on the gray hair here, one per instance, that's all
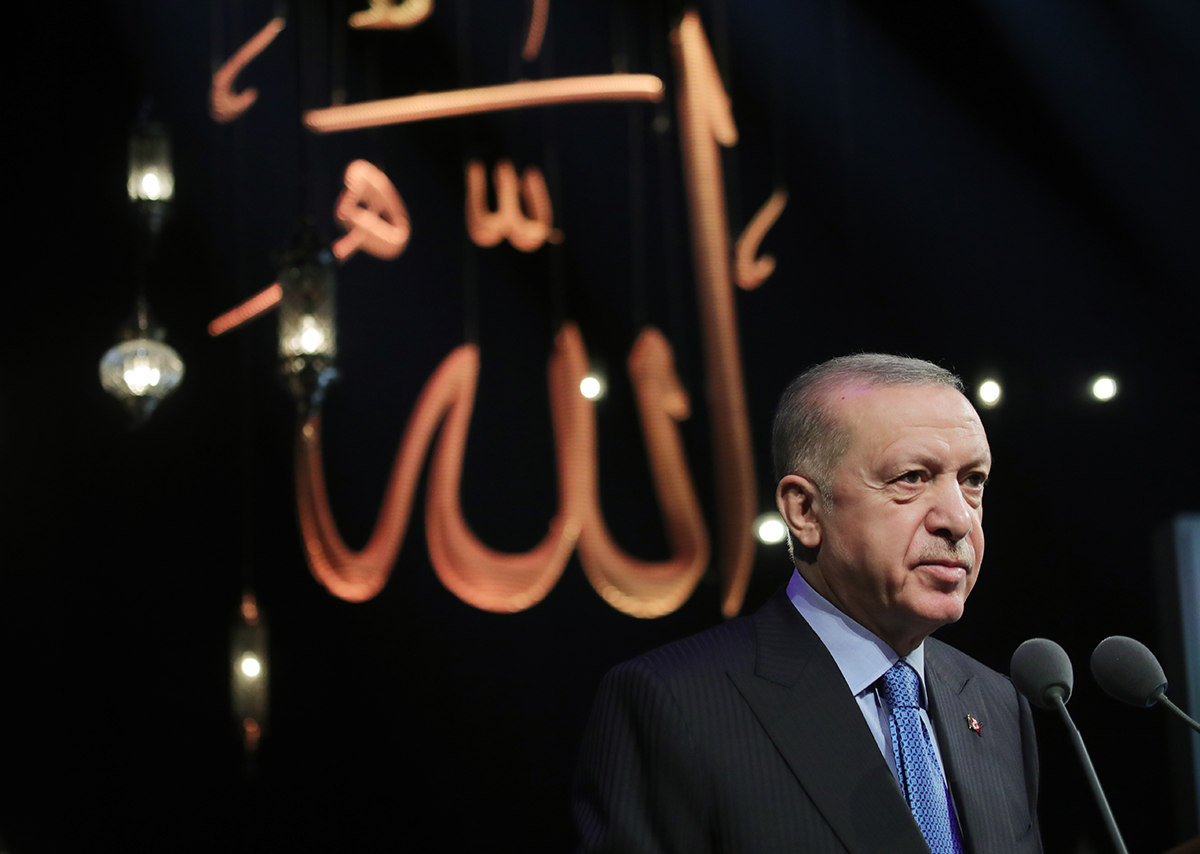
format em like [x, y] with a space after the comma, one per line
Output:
[808, 439]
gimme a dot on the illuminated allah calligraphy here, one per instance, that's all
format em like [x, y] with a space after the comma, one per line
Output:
[224, 104]
[498, 581]
[705, 119]
[385, 15]
[372, 212]
[487, 228]
[751, 271]
[376, 221]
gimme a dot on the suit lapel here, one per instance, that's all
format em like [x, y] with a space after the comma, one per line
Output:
[800, 698]
[955, 700]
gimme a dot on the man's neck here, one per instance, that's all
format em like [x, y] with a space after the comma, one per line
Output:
[902, 642]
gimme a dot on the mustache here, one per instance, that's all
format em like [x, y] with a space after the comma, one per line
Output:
[962, 555]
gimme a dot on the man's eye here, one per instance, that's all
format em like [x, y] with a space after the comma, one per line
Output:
[977, 480]
[910, 477]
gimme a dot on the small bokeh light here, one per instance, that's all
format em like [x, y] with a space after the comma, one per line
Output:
[151, 187]
[592, 387]
[769, 528]
[1104, 387]
[252, 732]
[989, 393]
[250, 666]
[250, 608]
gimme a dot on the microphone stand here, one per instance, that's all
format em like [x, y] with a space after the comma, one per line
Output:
[1161, 697]
[1090, 773]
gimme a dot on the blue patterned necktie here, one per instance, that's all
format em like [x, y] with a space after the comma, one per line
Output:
[920, 775]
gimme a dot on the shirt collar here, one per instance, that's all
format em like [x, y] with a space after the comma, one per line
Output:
[862, 657]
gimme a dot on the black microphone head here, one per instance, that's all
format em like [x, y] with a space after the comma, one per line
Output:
[1042, 672]
[1127, 670]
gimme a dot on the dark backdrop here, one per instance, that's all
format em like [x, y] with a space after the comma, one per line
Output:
[998, 186]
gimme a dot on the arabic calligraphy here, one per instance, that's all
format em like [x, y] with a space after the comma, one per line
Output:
[375, 219]
[706, 120]
[224, 104]
[358, 576]
[751, 271]
[636, 587]
[485, 99]
[481, 576]
[539, 11]
[385, 15]
[506, 582]
[487, 227]
[372, 212]
[257, 305]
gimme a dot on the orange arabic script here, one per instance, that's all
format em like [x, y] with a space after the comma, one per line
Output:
[487, 227]
[224, 104]
[750, 271]
[480, 576]
[496, 581]
[385, 15]
[260, 303]
[375, 219]
[470, 570]
[539, 11]
[705, 119]
[636, 587]
[372, 212]
[358, 576]
[485, 99]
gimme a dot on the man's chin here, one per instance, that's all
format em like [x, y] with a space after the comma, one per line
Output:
[945, 613]
[937, 609]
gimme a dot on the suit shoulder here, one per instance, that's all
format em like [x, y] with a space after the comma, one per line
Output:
[711, 652]
[954, 664]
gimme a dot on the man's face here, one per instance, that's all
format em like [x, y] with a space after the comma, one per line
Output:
[902, 541]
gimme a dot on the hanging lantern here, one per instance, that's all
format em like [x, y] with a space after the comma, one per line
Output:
[141, 369]
[308, 320]
[151, 184]
[248, 676]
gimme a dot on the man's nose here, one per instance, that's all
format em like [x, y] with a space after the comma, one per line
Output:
[950, 516]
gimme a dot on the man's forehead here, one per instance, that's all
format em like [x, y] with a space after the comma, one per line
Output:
[851, 397]
[862, 407]
[850, 392]
[842, 400]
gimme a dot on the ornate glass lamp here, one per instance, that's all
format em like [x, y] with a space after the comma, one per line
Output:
[248, 674]
[141, 369]
[307, 320]
[151, 184]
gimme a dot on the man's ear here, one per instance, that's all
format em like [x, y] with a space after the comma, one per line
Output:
[799, 503]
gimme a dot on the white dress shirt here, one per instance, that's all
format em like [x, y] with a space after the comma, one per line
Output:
[863, 659]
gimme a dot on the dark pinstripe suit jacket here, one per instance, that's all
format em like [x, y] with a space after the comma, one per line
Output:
[746, 739]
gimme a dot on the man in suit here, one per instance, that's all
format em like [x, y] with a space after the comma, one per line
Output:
[829, 721]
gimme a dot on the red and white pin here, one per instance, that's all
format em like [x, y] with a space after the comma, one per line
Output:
[973, 725]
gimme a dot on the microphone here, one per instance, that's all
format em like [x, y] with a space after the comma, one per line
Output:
[1128, 671]
[1042, 672]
